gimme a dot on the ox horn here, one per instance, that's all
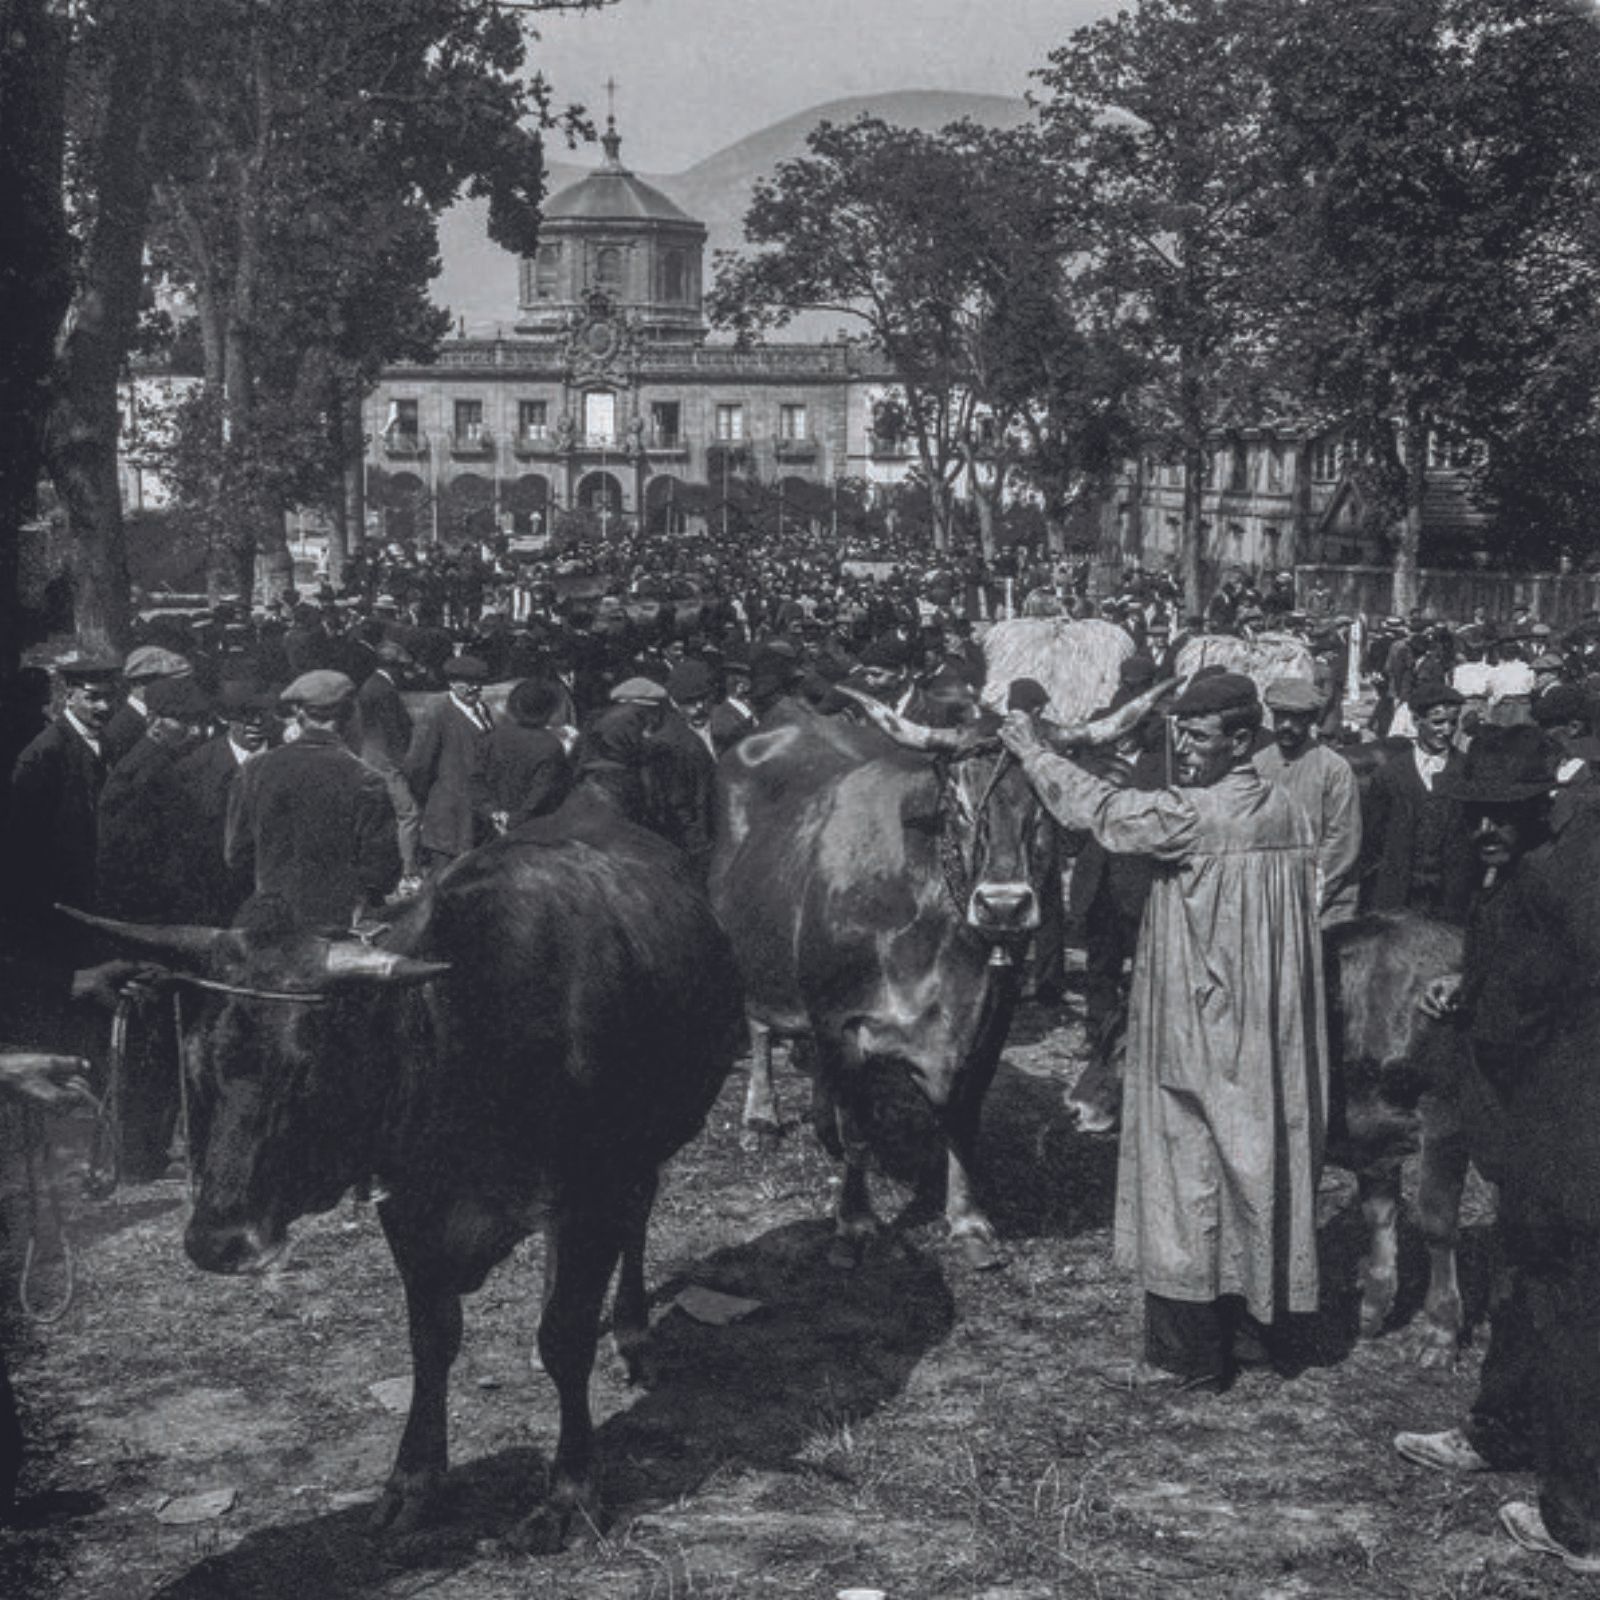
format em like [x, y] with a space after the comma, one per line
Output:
[384, 966]
[913, 735]
[185, 945]
[1107, 730]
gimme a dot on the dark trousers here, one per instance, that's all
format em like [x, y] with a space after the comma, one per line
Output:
[1109, 941]
[1204, 1340]
[149, 1091]
[1538, 1398]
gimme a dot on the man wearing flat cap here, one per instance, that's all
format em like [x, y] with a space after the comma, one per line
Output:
[445, 764]
[148, 664]
[1415, 851]
[310, 821]
[1528, 1002]
[1323, 785]
[1225, 1083]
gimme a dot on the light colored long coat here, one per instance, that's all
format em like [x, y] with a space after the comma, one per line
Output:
[1226, 1081]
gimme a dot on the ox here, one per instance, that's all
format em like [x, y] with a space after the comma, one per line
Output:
[1392, 1093]
[526, 1044]
[877, 897]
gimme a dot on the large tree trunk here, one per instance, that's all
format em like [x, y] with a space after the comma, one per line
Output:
[81, 437]
[1191, 550]
[1407, 582]
[35, 281]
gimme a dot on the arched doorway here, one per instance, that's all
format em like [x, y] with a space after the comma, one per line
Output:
[600, 491]
[668, 505]
[402, 497]
[528, 498]
[468, 511]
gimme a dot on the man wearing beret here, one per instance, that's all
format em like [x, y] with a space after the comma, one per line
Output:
[1416, 854]
[55, 797]
[147, 664]
[1324, 785]
[1225, 1086]
[310, 821]
[444, 764]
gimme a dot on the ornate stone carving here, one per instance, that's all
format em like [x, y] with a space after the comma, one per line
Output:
[602, 342]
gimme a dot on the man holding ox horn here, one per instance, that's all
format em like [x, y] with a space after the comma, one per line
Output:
[1225, 1083]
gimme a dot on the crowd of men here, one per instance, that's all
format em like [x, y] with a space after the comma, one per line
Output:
[286, 770]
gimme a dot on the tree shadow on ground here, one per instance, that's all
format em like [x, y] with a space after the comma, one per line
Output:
[825, 1347]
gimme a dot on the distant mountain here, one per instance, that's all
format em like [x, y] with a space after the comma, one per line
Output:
[478, 282]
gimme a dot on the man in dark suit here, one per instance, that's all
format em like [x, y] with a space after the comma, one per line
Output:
[1416, 852]
[149, 871]
[148, 664]
[526, 771]
[731, 717]
[311, 821]
[383, 740]
[684, 767]
[55, 795]
[444, 764]
[209, 774]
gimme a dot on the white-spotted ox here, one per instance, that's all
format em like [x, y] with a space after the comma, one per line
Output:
[525, 1046]
[1393, 1093]
[875, 896]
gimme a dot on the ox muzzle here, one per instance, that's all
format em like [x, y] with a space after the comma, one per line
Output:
[1003, 910]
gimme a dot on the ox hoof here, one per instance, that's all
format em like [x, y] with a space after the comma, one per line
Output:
[1373, 1319]
[404, 1505]
[633, 1364]
[542, 1533]
[981, 1251]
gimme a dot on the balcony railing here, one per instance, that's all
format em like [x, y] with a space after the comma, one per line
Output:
[796, 449]
[534, 443]
[404, 442]
[471, 442]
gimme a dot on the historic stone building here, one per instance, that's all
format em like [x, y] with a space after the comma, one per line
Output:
[608, 399]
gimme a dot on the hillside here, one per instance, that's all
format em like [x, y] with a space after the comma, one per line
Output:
[479, 280]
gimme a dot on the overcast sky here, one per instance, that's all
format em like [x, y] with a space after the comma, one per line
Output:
[695, 75]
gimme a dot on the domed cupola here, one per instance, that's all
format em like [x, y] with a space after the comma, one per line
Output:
[613, 240]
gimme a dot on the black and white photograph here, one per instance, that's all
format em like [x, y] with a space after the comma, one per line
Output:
[799, 802]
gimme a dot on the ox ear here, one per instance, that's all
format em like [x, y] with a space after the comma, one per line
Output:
[188, 948]
[365, 963]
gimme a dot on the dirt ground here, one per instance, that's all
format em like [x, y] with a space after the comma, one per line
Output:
[911, 1428]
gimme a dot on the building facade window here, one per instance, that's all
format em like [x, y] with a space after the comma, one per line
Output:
[469, 421]
[792, 423]
[729, 422]
[600, 417]
[547, 272]
[608, 269]
[533, 419]
[666, 424]
[1275, 474]
[402, 427]
[1238, 467]
[674, 285]
[1327, 457]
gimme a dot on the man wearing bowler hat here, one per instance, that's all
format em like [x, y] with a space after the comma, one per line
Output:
[1226, 1077]
[1324, 786]
[1528, 999]
[310, 822]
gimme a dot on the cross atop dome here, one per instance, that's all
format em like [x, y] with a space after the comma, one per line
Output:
[611, 140]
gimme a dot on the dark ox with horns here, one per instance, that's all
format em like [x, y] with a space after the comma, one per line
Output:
[524, 1046]
[878, 883]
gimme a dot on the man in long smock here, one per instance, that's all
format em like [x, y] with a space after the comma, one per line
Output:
[1225, 1089]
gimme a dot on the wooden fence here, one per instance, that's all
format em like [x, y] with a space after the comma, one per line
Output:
[1561, 599]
